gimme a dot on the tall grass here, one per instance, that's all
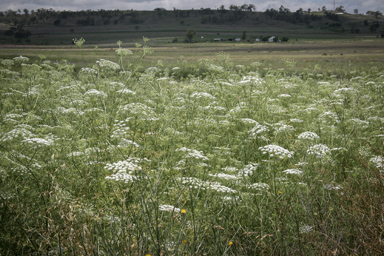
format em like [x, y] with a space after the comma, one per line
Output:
[225, 160]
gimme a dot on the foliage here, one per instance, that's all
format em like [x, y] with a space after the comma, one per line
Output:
[234, 160]
[190, 34]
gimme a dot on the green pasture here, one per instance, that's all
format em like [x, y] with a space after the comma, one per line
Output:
[325, 53]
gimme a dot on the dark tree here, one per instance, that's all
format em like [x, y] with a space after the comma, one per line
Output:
[57, 22]
[22, 33]
[244, 35]
[340, 9]
[190, 34]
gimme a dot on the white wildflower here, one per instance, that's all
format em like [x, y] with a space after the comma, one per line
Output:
[224, 176]
[126, 91]
[249, 121]
[38, 141]
[126, 143]
[94, 92]
[308, 136]
[123, 52]
[332, 187]
[319, 150]
[293, 171]
[284, 96]
[88, 71]
[259, 186]
[21, 59]
[121, 176]
[277, 151]
[168, 208]
[76, 153]
[123, 166]
[17, 133]
[220, 188]
[108, 64]
[248, 170]
[7, 62]
[305, 229]
[378, 161]
[199, 95]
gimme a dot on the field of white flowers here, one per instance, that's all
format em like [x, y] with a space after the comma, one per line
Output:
[109, 161]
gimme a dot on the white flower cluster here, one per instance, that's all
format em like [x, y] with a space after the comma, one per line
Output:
[305, 229]
[168, 208]
[215, 68]
[94, 92]
[220, 188]
[346, 89]
[107, 64]
[193, 182]
[146, 113]
[123, 167]
[17, 133]
[378, 161]
[121, 129]
[199, 95]
[259, 186]
[285, 128]
[229, 169]
[121, 176]
[248, 170]
[126, 143]
[319, 150]
[329, 115]
[75, 153]
[123, 52]
[192, 153]
[332, 187]
[308, 136]
[64, 110]
[21, 59]
[251, 79]
[360, 123]
[257, 130]
[284, 96]
[111, 219]
[249, 121]
[224, 176]
[296, 120]
[126, 91]
[92, 150]
[277, 151]
[38, 141]
[7, 63]
[293, 171]
[88, 71]
[214, 108]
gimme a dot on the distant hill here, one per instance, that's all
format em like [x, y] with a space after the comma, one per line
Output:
[50, 27]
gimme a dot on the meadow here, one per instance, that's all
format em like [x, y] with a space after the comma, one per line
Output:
[192, 149]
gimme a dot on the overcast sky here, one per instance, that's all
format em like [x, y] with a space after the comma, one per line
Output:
[293, 5]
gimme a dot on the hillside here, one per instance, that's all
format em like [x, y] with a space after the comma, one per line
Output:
[49, 27]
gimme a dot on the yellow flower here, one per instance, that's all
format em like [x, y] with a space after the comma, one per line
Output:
[279, 192]
[184, 241]
[148, 254]
[230, 243]
[183, 211]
